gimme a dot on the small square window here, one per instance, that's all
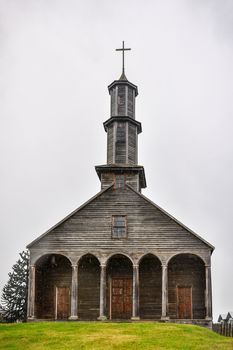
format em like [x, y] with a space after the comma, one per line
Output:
[119, 181]
[119, 229]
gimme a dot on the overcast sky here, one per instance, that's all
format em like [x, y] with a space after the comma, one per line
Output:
[57, 58]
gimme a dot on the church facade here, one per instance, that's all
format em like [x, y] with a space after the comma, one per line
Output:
[120, 256]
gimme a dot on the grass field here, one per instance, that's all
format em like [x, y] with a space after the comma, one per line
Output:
[101, 336]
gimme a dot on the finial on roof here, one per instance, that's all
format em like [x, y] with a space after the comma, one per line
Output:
[123, 49]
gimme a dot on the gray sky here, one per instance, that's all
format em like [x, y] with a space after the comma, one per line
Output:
[56, 60]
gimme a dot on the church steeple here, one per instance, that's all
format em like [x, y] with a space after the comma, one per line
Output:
[122, 134]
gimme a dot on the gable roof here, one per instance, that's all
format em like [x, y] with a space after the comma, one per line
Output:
[137, 193]
[229, 315]
[69, 215]
[222, 317]
[174, 219]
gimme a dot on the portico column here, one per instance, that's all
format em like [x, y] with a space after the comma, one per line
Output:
[208, 292]
[135, 313]
[74, 294]
[164, 315]
[31, 293]
[102, 315]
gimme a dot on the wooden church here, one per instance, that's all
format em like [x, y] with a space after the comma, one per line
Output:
[120, 256]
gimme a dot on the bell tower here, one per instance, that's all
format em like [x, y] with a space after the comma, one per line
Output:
[122, 136]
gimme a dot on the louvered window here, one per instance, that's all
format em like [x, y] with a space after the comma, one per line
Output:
[120, 134]
[119, 229]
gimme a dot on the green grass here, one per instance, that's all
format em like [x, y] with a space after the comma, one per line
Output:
[102, 336]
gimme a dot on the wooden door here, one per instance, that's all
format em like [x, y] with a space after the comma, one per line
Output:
[121, 298]
[62, 303]
[184, 301]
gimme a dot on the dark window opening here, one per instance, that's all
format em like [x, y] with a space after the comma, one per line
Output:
[119, 229]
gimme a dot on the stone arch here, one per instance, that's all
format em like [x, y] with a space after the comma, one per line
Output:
[88, 287]
[186, 287]
[150, 287]
[53, 278]
[119, 272]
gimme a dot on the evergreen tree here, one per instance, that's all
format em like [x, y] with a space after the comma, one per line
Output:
[14, 294]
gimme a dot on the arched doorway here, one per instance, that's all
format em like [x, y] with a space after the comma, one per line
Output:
[119, 287]
[150, 287]
[186, 287]
[88, 287]
[52, 288]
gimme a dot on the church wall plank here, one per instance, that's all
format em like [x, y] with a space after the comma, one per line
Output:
[148, 228]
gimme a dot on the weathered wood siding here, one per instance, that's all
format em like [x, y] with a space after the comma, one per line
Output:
[148, 227]
[131, 179]
[132, 144]
[118, 266]
[120, 146]
[131, 103]
[150, 282]
[110, 144]
[88, 288]
[121, 100]
[186, 271]
[49, 276]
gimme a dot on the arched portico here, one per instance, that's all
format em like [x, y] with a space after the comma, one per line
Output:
[150, 286]
[119, 276]
[53, 280]
[186, 287]
[88, 287]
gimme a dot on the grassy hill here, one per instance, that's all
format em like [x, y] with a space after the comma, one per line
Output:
[101, 336]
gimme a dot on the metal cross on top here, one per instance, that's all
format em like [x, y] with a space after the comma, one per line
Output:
[123, 55]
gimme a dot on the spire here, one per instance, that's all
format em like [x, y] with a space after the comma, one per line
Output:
[122, 136]
[123, 49]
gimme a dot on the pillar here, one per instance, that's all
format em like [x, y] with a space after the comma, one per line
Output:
[31, 293]
[74, 294]
[135, 311]
[208, 293]
[164, 292]
[102, 315]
